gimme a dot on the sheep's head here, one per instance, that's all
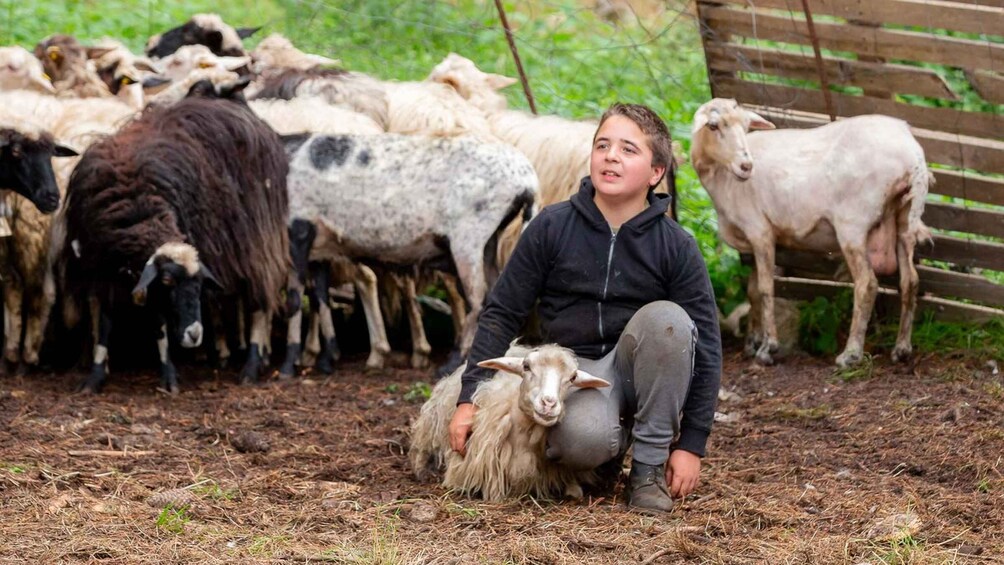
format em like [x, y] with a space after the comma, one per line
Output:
[473, 84]
[277, 52]
[723, 124]
[26, 154]
[204, 29]
[19, 69]
[189, 58]
[549, 374]
[176, 275]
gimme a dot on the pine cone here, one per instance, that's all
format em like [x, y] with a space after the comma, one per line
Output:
[249, 442]
[177, 498]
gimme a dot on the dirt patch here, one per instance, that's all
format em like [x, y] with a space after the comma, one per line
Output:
[900, 466]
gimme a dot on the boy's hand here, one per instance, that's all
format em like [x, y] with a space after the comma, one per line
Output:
[682, 472]
[460, 427]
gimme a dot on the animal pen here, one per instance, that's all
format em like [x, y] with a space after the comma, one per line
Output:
[939, 65]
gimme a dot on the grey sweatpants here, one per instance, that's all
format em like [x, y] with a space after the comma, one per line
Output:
[650, 371]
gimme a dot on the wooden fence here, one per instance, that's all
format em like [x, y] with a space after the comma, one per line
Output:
[882, 57]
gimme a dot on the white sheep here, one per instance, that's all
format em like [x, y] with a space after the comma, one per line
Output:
[516, 409]
[188, 58]
[20, 70]
[856, 185]
[559, 148]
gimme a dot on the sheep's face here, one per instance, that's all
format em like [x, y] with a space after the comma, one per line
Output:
[549, 374]
[26, 167]
[176, 276]
[202, 29]
[19, 69]
[723, 123]
[190, 58]
[473, 84]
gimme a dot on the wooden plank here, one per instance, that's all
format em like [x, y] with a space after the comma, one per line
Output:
[971, 18]
[959, 285]
[939, 282]
[900, 79]
[969, 186]
[944, 309]
[975, 124]
[965, 252]
[885, 43]
[953, 217]
[943, 148]
[990, 86]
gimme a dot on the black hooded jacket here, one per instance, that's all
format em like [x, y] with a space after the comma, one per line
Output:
[590, 282]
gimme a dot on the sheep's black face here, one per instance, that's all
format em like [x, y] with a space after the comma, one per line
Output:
[26, 168]
[186, 304]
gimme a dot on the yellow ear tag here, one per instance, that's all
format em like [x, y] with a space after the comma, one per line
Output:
[206, 65]
[47, 77]
[54, 53]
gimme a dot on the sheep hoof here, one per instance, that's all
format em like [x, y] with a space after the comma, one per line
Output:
[902, 353]
[288, 368]
[375, 360]
[573, 491]
[849, 359]
[419, 360]
[93, 383]
[252, 368]
[764, 357]
[22, 369]
[169, 378]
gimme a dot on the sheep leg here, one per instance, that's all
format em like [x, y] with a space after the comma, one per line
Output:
[329, 352]
[260, 321]
[764, 257]
[219, 337]
[293, 332]
[101, 325]
[470, 271]
[366, 285]
[420, 347]
[13, 295]
[312, 345]
[168, 374]
[865, 290]
[39, 306]
[754, 330]
[457, 306]
[909, 283]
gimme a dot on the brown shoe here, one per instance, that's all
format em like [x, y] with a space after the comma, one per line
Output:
[648, 492]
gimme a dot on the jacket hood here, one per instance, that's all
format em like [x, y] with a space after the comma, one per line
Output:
[583, 203]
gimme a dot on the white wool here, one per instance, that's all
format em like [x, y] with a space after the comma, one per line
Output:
[505, 452]
[182, 254]
[311, 114]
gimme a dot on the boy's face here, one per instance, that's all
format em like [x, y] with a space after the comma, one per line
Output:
[621, 162]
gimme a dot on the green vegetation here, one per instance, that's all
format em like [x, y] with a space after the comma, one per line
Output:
[173, 519]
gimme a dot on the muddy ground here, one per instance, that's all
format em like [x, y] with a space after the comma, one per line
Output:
[903, 465]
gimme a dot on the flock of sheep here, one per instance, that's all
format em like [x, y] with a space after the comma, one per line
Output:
[201, 170]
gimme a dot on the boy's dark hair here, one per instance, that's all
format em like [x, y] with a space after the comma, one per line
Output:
[659, 139]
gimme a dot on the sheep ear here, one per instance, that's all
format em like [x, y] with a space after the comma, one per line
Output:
[64, 151]
[147, 277]
[498, 82]
[700, 120]
[512, 365]
[207, 276]
[97, 52]
[758, 122]
[246, 32]
[585, 380]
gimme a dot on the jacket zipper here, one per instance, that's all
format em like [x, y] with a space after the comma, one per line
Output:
[606, 284]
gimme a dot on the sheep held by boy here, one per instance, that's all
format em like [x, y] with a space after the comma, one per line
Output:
[516, 409]
[856, 185]
[411, 200]
[204, 29]
[184, 195]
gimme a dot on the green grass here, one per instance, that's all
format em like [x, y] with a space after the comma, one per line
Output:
[173, 519]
